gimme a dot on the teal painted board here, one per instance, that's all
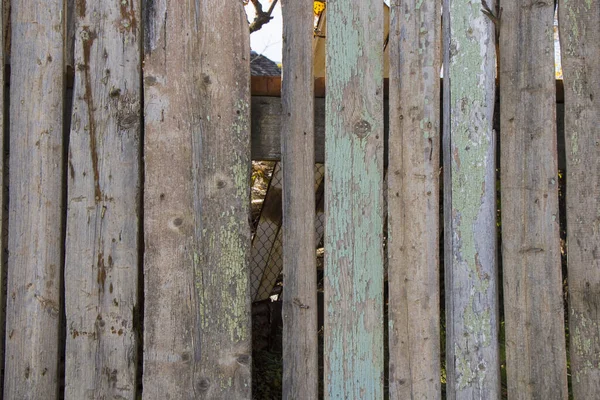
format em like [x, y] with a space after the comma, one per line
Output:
[472, 357]
[413, 197]
[354, 201]
[580, 47]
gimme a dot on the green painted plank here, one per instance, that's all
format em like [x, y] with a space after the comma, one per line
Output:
[580, 47]
[354, 203]
[472, 359]
[413, 200]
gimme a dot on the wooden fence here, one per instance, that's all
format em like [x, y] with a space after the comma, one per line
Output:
[126, 210]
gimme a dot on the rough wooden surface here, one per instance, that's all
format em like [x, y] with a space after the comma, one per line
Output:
[354, 201]
[472, 358]
[103, 204]
[300, 357]
[266, 128]
[580, 46]
[413, 200]
[197, 235]
[533, 307]
[3, 197]
[36, 201]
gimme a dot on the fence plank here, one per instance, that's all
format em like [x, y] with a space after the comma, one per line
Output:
[413, 200]
[354, 201]
[472, 358]
[36, 200]
[197, 235]
[300, 358]
[101, 250]
[533, 307]
[580, 42]
[3, 192]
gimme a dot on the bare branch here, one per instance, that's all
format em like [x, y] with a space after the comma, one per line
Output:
[261, 17]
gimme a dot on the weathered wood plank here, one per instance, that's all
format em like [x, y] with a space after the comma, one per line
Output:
[533, 308]
[101, 249]
[472, 358]
[197, 236]
[354, 201]
[300, 353]
[580, 45]
[3, 193]
[36, 200]
[413, 200]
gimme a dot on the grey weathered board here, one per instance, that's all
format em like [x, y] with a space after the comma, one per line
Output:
[3, 197]
[103, 204]
[580, 46]
[300, 357]
[413, 200]
[533, 307]
[353, 201]
[197, 334]
[472, 354]
[300, 354]
[36, 200]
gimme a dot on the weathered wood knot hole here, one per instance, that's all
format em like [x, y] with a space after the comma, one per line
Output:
[243, 359]
[203, 384]
[221, 184]
[177, 221]
[362, 128]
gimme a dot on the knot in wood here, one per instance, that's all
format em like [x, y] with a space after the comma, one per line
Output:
[362, 128]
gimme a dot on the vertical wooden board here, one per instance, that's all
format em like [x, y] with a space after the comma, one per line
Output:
[101, 249]
[36, 200]
[532, 279]
[354, 201]
[3, 197]
[413, 200]
[197, 195]
[580, 45]
[473, 365]
[300, 358]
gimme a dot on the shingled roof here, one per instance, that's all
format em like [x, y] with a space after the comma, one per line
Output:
[262, 66]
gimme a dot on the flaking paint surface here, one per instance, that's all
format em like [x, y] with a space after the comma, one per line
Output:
[354, 257]
[471, 139]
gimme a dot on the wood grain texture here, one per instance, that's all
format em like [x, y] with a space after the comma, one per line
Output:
[580, 46]
[3, 192]
[533, 308]
[103, 203]
[300, 357]
[472, 357]
[197, 334]
[354, 201]
[36, 200]
[413, 200]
